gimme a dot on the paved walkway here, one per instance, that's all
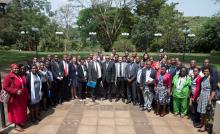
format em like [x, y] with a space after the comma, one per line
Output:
[103, 117]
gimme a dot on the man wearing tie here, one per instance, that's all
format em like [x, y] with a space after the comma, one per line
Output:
[120, 79]
[58, 77]
[95, 75]
[131, 76]
[147, 86]
[64, 65]
[108, 77]
[82, 78]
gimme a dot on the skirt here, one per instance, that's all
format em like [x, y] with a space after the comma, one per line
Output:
[74, 83]
[203, 101]
[162, 96]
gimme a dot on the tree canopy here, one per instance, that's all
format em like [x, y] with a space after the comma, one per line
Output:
[100, 24]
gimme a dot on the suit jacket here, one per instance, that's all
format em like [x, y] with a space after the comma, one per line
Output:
[172, 70]
[73, 71]
[56, 69]
[108, 71]
[117, 67]
[62, 67]
[92, 74]
[131, 73]
[143, 78]
[81, 77]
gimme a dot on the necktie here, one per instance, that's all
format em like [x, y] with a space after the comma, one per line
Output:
[107, 65]
[65, 69]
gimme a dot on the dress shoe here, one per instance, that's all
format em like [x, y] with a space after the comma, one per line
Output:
[110, 100]
[128, 102]
[143, 109]
[117, 100]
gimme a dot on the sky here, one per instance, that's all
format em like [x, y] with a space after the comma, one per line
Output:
[188, 7]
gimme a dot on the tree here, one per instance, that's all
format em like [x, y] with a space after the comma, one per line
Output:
[209, 36]
[106, 18]
[21, 15]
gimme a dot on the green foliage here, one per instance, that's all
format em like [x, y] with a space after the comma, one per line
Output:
[209, 36]
[124, 44]
[4, 48]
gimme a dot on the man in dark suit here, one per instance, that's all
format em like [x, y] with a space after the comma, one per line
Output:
[171, 67]
[131, 75]
[147, 85]
[64, 66]
[120, 79]
[95, 75]
[58, 77]
[82, 78]
[108, 71]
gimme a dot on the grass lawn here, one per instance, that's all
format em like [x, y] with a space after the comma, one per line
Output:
[8, 57]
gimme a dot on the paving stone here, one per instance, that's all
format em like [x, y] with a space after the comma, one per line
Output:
[103, 117]
[106, 130]
[122, 114]
[48, 129]
[123, 121]
[106, 107]
[162, 130]
[121, 108]
[90, 113]
[125, 130]
[87, 129]
[106, 121]
[106, 114]
[89, 121]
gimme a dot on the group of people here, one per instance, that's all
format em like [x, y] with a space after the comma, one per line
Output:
[163, 85]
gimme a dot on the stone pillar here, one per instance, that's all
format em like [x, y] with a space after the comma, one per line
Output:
[216, 124]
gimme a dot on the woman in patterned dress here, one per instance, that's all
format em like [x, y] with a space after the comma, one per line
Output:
[207, 93]
[162, 86]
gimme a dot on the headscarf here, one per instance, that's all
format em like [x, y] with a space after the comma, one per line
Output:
[13, 66]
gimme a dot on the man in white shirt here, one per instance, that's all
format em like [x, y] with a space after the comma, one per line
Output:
[147, 85]
[120, 79]
[139, 91]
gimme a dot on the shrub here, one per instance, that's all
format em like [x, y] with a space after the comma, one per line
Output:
[4, 48]
[124, 44]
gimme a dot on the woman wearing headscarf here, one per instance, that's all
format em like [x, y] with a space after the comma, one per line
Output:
[180, 92]
[34, 86]
[163, 83]
[207, 92]
[17, 104]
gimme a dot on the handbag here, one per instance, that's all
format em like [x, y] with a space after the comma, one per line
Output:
[91, 84]
[4, 96]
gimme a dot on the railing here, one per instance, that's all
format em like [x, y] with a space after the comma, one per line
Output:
[2, 110]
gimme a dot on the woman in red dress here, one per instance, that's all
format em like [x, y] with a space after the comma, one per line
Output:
[17, 104]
